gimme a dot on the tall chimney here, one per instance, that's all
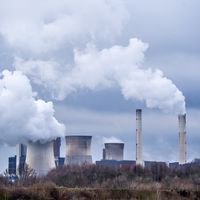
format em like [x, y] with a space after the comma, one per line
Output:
[104, 154]
[139, 137]
[182, 138]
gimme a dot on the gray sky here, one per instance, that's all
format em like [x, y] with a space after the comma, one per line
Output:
[41, 40]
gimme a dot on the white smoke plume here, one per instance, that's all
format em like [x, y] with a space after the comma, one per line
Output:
[43, 26]
[42, 34]
[23, 116]
[112, 139]
[118, 66]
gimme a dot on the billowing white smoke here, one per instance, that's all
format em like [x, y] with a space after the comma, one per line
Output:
[111, 140]
[117, 66]
[22, 116]
[37, 26]
[42, 32]
[48, 39]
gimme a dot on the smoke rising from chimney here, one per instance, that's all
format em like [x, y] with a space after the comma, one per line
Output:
[23, 116]
[118, 66]
[49, 49]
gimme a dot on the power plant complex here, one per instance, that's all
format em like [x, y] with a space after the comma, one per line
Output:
[42, 157]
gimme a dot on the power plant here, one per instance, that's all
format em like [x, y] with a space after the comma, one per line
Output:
[40, 157]
[114, 151]
[78, 150]
[182, 138]
[138, 140]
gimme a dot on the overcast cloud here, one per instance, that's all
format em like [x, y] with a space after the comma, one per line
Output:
[49, 40]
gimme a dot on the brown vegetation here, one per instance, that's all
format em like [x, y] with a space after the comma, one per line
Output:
[97, 182]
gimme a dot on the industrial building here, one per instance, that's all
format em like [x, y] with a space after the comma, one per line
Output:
[78, 150]
[150, 164]
[56, 150]
[16, 163]
[113, 156]
[20, 158]
[40, 157]
[12, 165]
[61, 161]
[117, 163]
[113, 151]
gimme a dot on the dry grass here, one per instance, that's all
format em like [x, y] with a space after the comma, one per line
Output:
[49, 191]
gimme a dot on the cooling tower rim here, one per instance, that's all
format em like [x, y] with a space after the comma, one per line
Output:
[38, 141]
[114, 143]
[182, 115]
[78, 136]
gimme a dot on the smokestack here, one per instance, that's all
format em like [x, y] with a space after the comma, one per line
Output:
[182, 138]
[40, 157]
[104, 154]
[78, 150]
[114, 151]
[139, 137]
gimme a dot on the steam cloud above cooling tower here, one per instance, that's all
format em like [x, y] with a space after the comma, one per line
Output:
[67, 46]
[23, 116]
[112, 140]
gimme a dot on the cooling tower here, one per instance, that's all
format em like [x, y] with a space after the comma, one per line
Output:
[114, 151]
[139, 137]
[182, 138]
[40, 157]
[78, 150]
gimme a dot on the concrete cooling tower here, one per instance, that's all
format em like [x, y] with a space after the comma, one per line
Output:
[78, 150]
[40, 157]
[182, 138]
[114, 151]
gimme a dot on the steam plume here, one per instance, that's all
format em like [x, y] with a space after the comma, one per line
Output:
[23, 117]
[118, 66]
[111, 140]
[39, 39]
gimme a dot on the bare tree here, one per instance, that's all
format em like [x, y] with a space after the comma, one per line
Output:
[28, 176]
